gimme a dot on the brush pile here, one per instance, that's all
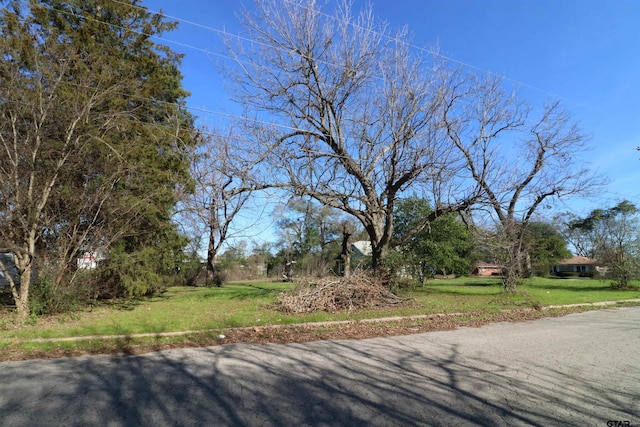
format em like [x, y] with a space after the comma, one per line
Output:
[336, 294]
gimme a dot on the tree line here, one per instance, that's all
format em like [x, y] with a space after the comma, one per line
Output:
[312, 237]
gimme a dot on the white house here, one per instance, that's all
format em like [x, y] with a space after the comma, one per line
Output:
[361, 248]
[89, 260]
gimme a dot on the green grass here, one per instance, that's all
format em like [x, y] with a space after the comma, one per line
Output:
[572, 291]
[247, 304]
[544, 291]
[178, 309]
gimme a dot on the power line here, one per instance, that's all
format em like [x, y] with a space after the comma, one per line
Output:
[252, 41]
[225, 33]
[163, 39]
[203, 110]
[438, 54]
[141, 98]
[410, 45]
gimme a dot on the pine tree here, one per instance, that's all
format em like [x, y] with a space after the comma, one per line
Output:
[95, 140]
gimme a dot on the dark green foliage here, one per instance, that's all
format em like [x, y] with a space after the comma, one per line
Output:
[97, 108]
[47, 297]
[574, 274]
[142, 270]
[544, 246]
[153, 145]
[445, 247]
[190, 272]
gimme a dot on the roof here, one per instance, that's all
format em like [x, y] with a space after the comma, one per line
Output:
[578, 260]
[363, 248]
[487, 265]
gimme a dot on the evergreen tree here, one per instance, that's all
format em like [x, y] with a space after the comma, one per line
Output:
[95, 140]
[445, 247]
[544, 247]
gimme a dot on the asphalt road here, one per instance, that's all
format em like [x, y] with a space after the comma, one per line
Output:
[578, 370]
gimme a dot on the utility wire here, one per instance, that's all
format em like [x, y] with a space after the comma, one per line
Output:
[203, 110]
[229, 35]
[410, 45]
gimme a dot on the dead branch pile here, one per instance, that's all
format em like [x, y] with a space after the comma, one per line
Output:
[337, 294]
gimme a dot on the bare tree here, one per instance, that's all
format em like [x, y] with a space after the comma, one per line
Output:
[522, 161]
[224, 183]
[359, 116]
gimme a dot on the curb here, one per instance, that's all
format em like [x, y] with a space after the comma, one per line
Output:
[310, 324]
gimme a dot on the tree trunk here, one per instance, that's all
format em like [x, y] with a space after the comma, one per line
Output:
[379, 231]
[211, 271]
[528, 268]
[345, 254]
[513, 273]
[379, 251]
[20, 293]
[211, 258]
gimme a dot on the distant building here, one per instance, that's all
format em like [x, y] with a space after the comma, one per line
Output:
[361, 252]
[89, 260]
[487, 269]
[361, 248]
[576, 264]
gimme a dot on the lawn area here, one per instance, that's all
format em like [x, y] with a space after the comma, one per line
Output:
[247, 304]
[545, 291]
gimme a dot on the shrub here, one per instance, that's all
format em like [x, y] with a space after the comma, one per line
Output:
[46, 298]
[191, 273]
[567, 274]
[219, 279]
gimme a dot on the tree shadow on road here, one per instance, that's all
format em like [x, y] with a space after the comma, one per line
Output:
[403, 381]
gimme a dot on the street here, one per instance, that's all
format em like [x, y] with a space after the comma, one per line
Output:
[577, 370]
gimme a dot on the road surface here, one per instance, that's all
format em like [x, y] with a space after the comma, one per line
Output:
[578, 370]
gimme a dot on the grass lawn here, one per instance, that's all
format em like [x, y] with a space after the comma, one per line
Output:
[544, 291]
[247, 304]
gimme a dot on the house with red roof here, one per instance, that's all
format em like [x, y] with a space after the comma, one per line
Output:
[487, 269]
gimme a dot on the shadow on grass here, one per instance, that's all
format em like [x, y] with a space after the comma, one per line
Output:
[122, 304]
[566, 286]
[460, 292]
[240, 292]
[471, 289]
[480, 284]
[467, 281]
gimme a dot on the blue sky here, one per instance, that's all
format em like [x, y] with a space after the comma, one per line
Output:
[584, 52]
